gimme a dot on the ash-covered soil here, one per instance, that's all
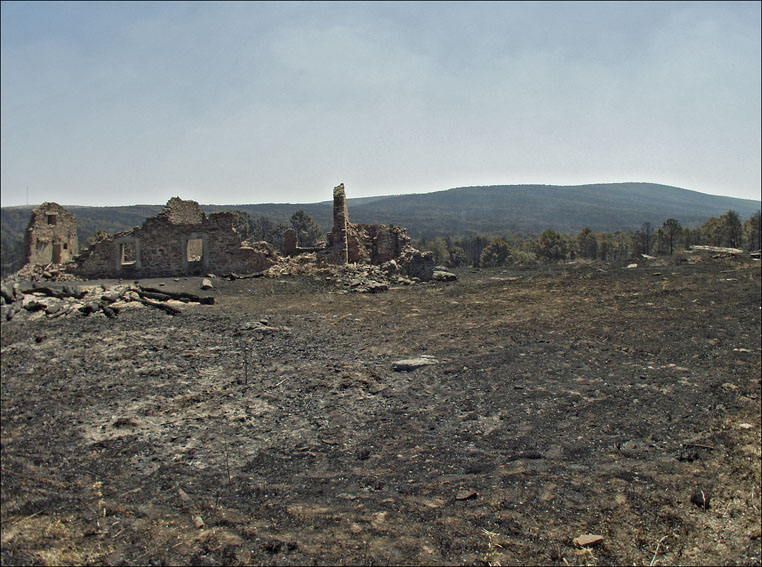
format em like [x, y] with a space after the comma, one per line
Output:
[270, 428]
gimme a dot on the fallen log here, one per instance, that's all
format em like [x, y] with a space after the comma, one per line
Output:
[154, 295]
[233, 276]
[159, 305]
[177, 295]
[89, 308]
[65, 292]
[110, 312]
[719, 249]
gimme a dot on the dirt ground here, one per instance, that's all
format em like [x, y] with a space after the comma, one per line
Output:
[270, 428]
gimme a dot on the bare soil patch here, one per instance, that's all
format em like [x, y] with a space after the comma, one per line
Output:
[271, 428]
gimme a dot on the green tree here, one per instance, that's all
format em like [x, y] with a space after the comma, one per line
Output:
[496, 253]
[731, 229]
[276, 236]
[457, 256]
[605, 246]
[308, 230]
[638, 244]
[99, 235]
[711, 232]
[551, 246]
[586, 244]
[439, 247]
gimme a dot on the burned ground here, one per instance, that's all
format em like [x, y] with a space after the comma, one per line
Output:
[270, 427]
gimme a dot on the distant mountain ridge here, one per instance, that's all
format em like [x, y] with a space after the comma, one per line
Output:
[498, 209]
[530, 209]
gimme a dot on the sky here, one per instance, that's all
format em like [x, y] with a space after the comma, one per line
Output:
[108, 103]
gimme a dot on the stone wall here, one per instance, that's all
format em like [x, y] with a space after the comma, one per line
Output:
[51, 235]
[181, 240]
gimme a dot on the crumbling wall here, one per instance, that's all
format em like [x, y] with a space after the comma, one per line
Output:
[372, 243]
[178, 211]
[181, 240]
[51, 235]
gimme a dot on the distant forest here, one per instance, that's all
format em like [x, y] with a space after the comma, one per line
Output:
[477, 226]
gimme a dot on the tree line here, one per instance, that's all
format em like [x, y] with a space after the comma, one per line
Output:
[309, 233]
[496, 250]
[552, 246]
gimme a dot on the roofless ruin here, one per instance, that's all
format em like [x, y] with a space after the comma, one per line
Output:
[183, 241]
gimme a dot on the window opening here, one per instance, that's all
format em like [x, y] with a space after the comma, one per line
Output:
[194, 249]
[127, 253]
[52, 219]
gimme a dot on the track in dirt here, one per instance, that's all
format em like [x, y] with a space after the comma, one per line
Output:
[270, 427]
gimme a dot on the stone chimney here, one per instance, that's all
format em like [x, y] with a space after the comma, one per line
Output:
[338, 236]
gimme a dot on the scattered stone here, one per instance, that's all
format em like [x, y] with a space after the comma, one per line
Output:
[409, 364]
[588, 540]
[260, 326]
[466, 494]
[206, 283]
[701, 499]
[374, 287]
[745, 425]
[689, 456]
[631, 266]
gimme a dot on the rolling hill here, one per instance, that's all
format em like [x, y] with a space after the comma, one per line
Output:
[523, 209]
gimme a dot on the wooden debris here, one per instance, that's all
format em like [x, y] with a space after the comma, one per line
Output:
[178, 295]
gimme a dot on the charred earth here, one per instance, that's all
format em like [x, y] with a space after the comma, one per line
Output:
[273, 427]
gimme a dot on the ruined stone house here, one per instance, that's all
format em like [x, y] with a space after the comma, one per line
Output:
[51, 236]
[181, 240]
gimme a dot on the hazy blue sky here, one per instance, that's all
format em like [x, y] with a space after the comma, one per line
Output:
[125, 103]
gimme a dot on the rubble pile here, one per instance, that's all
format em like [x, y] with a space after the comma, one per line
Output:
[39, 301]
[357, 278]
[49, 272]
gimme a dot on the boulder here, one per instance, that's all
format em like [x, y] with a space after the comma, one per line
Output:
[443, 276]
